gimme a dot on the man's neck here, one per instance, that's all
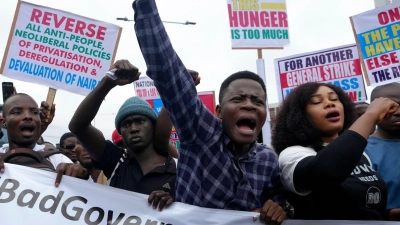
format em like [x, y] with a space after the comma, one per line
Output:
[149, 159]
[241, 150]
[13, 145]
[384, 134]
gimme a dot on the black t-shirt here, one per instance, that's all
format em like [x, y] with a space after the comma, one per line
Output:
[335, 183]
[362, 196]
[129, 175]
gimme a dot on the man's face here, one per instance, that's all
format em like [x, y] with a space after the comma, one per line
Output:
[22, 121]
[243, 111]
[68, 148]
[137, 132]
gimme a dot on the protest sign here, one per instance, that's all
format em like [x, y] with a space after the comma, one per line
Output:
[28, 196]
[377, 36]
[258, 24]
[145, 89]
[339, 66]
[59, 49]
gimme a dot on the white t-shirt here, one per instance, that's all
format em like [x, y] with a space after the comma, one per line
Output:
[54, 159]
[288, 160]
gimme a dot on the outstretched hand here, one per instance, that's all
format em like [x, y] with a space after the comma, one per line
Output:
[125, 73]
[70, 169]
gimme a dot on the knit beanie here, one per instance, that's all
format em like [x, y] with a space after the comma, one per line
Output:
[134, 106]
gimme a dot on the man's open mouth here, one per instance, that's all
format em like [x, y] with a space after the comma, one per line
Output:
[246, 124]
[27, 129]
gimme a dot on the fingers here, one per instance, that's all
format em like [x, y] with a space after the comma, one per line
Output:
[44, 109]
[195, 76]
[126, 71]
[60, 171]
[137, 76]
[281, 218]
[165, 202]
[151, 197]
[44, 105]
[156, 200]
[384, 108]
[1, 165]
[69, 169]
[393, 107]
[197, 81]
[161, 199]
[53, 110]
[271, 212]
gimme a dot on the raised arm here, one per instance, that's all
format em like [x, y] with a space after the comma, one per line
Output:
[333, 164]
[162, 134]
[90, 137]
[164, 126]
[190, 117]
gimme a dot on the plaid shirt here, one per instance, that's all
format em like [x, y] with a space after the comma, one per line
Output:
[209, 172]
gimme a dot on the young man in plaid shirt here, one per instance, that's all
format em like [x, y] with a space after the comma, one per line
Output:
[220, 163]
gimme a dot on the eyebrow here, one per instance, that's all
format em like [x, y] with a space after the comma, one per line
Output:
[19, 107]
[319, 95]
[251, 96]
[133, 117]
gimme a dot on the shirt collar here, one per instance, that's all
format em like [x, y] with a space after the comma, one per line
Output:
[231, 147]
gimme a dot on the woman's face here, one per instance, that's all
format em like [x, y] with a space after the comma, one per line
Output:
[326, 112]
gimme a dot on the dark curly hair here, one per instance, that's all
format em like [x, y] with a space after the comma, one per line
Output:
[293, 124]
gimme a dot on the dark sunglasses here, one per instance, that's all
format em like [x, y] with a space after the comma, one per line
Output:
[69, 147]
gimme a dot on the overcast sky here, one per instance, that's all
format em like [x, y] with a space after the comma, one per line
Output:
[205, 47]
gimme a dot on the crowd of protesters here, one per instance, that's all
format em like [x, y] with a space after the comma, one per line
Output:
[330, 159]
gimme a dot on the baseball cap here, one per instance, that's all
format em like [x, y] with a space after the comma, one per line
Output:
[116, 137]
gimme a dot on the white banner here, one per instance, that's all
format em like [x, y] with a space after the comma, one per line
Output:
[28, 196]
[258, 24]
[59, 49]
[377, 36]
[339, 66]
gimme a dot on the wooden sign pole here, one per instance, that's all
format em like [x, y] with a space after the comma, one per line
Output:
[51, 95]
[360, 54]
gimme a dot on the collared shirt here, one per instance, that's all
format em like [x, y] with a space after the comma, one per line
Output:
[209, 172]
[129, 175]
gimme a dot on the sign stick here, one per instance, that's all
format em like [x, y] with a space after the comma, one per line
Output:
[51, 95]
[266, 130]
[360, 54]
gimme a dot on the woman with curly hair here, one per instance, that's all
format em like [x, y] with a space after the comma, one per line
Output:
[321, 154]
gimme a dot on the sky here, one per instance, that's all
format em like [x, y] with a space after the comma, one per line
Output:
[204, 47]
